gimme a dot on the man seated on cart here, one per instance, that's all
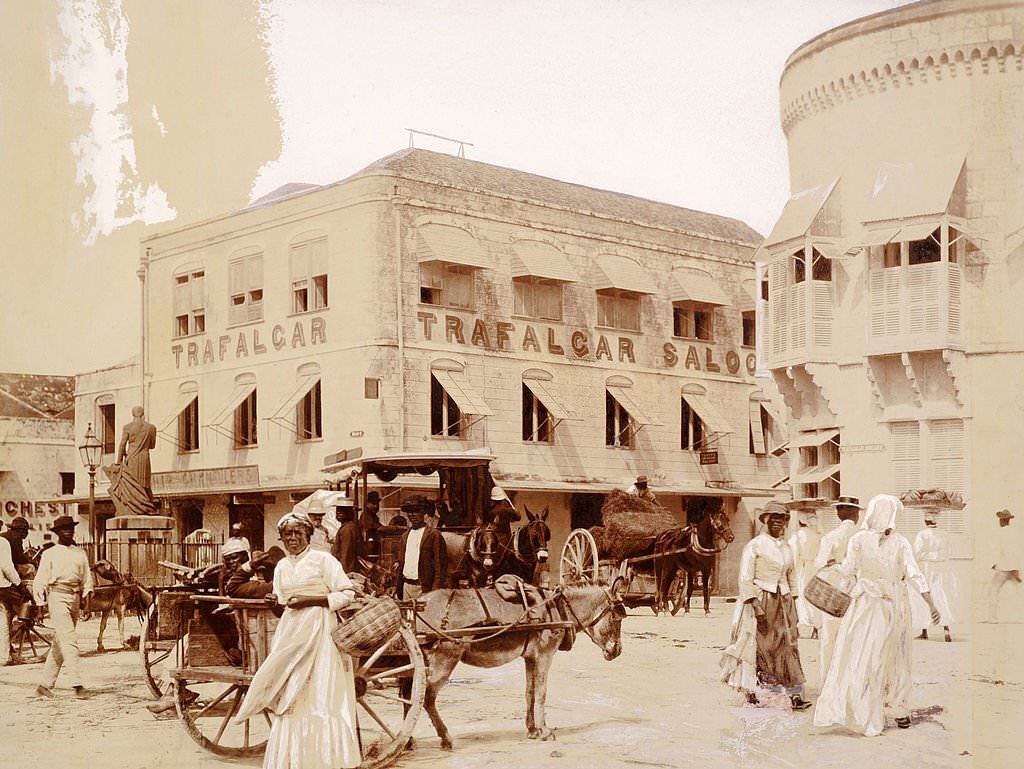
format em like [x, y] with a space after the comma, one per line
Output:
[245, 577]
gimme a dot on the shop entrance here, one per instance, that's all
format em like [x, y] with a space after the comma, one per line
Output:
[251, 518]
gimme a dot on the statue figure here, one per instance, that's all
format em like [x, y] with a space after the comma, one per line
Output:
[130, 478]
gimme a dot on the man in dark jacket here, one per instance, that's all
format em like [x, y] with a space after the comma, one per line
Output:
[348, 542]
[16, 534]
[422, 557]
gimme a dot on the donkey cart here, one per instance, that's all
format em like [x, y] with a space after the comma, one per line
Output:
[397, 673]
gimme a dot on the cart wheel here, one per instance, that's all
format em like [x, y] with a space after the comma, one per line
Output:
[390, 685]
[153, 651]
[30, 641]
[207, 709]
[579, 558]
[675, 598]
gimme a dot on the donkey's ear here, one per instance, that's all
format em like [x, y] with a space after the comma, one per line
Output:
[529, 514]
[544, 515]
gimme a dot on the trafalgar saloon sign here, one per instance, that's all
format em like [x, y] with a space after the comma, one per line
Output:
[578, 343]
[251, 341]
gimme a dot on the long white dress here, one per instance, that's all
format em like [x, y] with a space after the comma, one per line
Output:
[305, 682]
[933, 551]
[805, 544]
[871, 665]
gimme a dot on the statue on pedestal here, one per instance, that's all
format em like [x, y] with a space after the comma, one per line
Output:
[131, 477]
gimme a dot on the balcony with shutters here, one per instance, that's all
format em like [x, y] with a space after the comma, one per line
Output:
[800, 310]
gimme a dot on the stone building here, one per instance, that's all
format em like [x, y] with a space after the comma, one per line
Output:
[434, 303]
[889, 281]
[38, 458]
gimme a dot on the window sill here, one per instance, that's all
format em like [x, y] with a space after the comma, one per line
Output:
[536, 319]
[538, 443]
[246, 447]
[693, 339]
[188, 336]
[306, 312]
[614, 328]
[748, 346]
[447, 307]
[188, 451]
[620, 448]
[310, 440]
[245, 323]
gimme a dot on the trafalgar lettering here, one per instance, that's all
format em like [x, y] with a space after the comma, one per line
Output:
[250, 341]
[502, 335]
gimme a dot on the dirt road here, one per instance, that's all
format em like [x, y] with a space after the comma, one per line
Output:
[660, 704]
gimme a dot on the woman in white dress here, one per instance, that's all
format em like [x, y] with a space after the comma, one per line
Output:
[305, 683]
[870, 666]
[933, 551]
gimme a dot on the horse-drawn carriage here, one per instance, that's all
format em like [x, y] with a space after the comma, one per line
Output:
[657, 559]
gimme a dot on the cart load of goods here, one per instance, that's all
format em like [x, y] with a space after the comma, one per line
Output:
[631, 526]
[933, 498]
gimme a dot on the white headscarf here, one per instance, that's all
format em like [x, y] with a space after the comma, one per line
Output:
[233, 546]
[294, 517]
[882, 512]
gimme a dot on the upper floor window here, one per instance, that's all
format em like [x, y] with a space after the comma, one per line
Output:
[619, 309]
[190, 302]
[308, 415]
[188, 427]
[67, 483]
[749, 338]
[446, 285]
[537, 298]
[309, 275]
[536, 419]
[692, 320]
[691, 427]
[245, 285]
[821, 266]
[926, 251]
[618, 425]
[108, 428]
[245, 422]
[445, 416]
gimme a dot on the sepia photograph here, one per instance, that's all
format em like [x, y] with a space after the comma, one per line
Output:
[480, 384]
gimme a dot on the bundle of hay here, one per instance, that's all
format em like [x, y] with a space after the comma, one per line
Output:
[631, 525]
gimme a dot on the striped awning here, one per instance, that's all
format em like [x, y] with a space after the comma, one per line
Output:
[454, 245]
[541, 260]
[548, 394]
[461, 391]
[619, 272]
[636, 412]
[695, 286]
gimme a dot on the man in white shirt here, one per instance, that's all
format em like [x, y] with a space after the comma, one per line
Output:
[322, 538]
[62, 582]
[804, 544]
[422, 553]
[831, 552]
[10, 582]
[639, 488]
[1008, 562]
[764, 652]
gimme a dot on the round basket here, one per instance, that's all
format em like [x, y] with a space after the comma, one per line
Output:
[826, 597]
[369, 627]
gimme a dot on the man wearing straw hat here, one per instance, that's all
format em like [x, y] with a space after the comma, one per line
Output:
[763, 652]
[832, 551]
[1007, 565]
[62, 583]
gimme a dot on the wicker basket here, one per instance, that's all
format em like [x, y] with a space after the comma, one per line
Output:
[371, 625]
[826, 597]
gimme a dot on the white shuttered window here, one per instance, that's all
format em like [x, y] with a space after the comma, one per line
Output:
[245, 286]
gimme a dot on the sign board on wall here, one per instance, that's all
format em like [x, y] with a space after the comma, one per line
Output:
[39, 513]
[709, 457]
[207, 479]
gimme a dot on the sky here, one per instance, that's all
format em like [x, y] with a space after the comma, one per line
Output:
[121, 118]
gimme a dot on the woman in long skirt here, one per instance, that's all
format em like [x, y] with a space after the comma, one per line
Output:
[305, 683]
[870, 666]
[933, 551]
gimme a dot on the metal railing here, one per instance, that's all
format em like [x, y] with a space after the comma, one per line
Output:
[142, 559]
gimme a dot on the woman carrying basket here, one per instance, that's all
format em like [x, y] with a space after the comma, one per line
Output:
[870, 666]
[305, 682]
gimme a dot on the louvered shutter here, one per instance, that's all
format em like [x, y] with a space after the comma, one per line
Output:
[954, 298]
[924, 298]
[948, 454]
[877, 289]
[822, 313]
[906, 456]
[318, 257]
[182, 298]
[198, 292]
[254, 274]
[300, 261]
[798, 316]
[237, 284]
[756, 431]
[777, 303]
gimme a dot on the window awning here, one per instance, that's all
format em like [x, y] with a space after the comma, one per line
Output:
[772, 412]
[548, 394]
[756, 432]
[184, 399]
[815, 474]
[907, 189]
[467, 399]
[750, 295]
[622, 273]
[633, 408]
[713, 421]
[454, 245]
[239, 394]
[285, 413]
[812, 438]
[799, 214]
[694, 286]
[541, 260]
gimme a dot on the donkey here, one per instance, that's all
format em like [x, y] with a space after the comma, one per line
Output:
[473, 556]
[699, 557]
[117, 598]
[526, 553]
[596, 610]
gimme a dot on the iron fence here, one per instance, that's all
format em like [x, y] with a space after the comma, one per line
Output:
[142, 559]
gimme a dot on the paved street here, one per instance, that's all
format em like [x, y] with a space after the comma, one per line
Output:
[659, 704]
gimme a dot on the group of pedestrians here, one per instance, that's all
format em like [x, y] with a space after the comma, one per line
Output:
[864, 656]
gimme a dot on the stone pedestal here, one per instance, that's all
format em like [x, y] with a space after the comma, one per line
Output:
[137, 543]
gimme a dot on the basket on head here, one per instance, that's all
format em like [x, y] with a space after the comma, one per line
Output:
[370, 626]
[826, 597]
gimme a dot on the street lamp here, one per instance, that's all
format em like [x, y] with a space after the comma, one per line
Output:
[91, 450]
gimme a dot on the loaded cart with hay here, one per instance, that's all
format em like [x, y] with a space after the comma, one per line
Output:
[639, 542]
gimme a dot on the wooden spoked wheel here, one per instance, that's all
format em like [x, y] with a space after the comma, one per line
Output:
[390, 685]
[153, 651]
[579, 564]
[208, 707]
[676, 596]
[30, 640]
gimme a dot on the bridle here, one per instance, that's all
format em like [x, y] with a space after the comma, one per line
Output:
[614, 605]
[716, 529]
[523, 559]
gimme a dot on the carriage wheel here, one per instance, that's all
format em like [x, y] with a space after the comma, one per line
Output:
[28, 643]
[390, 685]
[579, 558]
[207, 709]
[675, 598]
[153, 651]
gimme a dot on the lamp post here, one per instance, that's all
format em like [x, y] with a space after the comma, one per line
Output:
[90, 450]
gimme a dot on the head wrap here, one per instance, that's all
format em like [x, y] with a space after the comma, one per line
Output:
[231, 547]
[882, 512]
[295, 518]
